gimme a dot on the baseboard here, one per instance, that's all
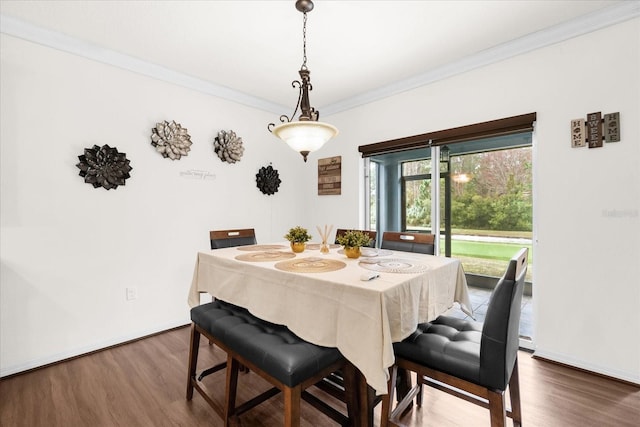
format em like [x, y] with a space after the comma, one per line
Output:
[627, 377]
[85, 350]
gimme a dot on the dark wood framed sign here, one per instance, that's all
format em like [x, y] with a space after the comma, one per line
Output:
[330, 176]
[594, 129]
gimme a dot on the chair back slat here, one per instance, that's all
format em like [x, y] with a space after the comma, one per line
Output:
[409, 242]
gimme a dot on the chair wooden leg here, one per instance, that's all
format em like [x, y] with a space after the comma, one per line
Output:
[497, 408]
[514, 393]
[213, 299]
[292, 397]
[388, 398]
[350, 386]
[371, 404]
[231, 389]
[193, 360]
[404, 387]
[364, 402]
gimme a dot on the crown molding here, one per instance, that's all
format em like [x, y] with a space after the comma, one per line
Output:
[585, 24]
[26, 31]
[594, 21]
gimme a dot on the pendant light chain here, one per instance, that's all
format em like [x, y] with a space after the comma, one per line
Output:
[304, 42]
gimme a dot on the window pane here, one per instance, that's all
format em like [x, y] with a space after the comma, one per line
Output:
[418, 205]
[491, 212]
[418, 167]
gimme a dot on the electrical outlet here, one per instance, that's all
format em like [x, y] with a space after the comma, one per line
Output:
[132, 293]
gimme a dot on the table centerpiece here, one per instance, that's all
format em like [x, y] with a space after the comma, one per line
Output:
[352, 241]
[298, 237]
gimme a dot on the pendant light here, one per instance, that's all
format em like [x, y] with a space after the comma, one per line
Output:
[307, 134]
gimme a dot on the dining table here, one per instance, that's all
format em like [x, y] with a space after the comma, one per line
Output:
[360, 306]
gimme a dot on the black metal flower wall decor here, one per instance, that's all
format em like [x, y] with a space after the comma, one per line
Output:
[171, 140]
[104, 167]
[228, 146]
[268, 180]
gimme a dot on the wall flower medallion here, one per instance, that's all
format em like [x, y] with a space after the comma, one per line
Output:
[171, 140]
[104, 167]
[228, 146]
[268, 180]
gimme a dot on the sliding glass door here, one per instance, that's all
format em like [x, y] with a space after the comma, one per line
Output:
[475, 196]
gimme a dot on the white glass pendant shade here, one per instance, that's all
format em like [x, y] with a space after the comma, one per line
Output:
[305, 136]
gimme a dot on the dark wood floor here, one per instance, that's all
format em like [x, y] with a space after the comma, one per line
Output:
[143, 384]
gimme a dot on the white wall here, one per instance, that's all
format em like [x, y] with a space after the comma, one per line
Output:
[587, 201]
[69, 251]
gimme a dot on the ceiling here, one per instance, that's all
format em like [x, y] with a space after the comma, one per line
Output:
[357, 51]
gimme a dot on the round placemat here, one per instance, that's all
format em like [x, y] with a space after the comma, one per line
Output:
[260, 247]
[316, 246]
[265, 256]
[310, 265]
[393, 265]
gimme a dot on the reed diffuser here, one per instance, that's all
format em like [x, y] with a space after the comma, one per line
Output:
[324, 247]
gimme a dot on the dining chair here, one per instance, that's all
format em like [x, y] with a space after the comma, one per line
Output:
[228, 238]
[372, 235]
[408, 242]
[471, 360]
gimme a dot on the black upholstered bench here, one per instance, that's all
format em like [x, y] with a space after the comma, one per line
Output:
[272, 351]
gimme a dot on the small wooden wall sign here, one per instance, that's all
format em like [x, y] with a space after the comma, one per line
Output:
[594, 129]
[578, 137]
[611, 127]
[329, 176]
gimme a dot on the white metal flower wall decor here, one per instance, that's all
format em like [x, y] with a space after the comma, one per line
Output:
[228, 146]
[171, 140]
[268, 180]
[104, 167]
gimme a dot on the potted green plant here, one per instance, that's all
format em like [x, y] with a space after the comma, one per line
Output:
[298, 236]
[352, 241]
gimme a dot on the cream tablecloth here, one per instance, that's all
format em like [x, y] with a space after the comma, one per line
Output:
[337, 309]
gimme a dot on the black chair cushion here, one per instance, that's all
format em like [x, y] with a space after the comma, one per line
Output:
[273, 348]
[218, 317]
[447, 344]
